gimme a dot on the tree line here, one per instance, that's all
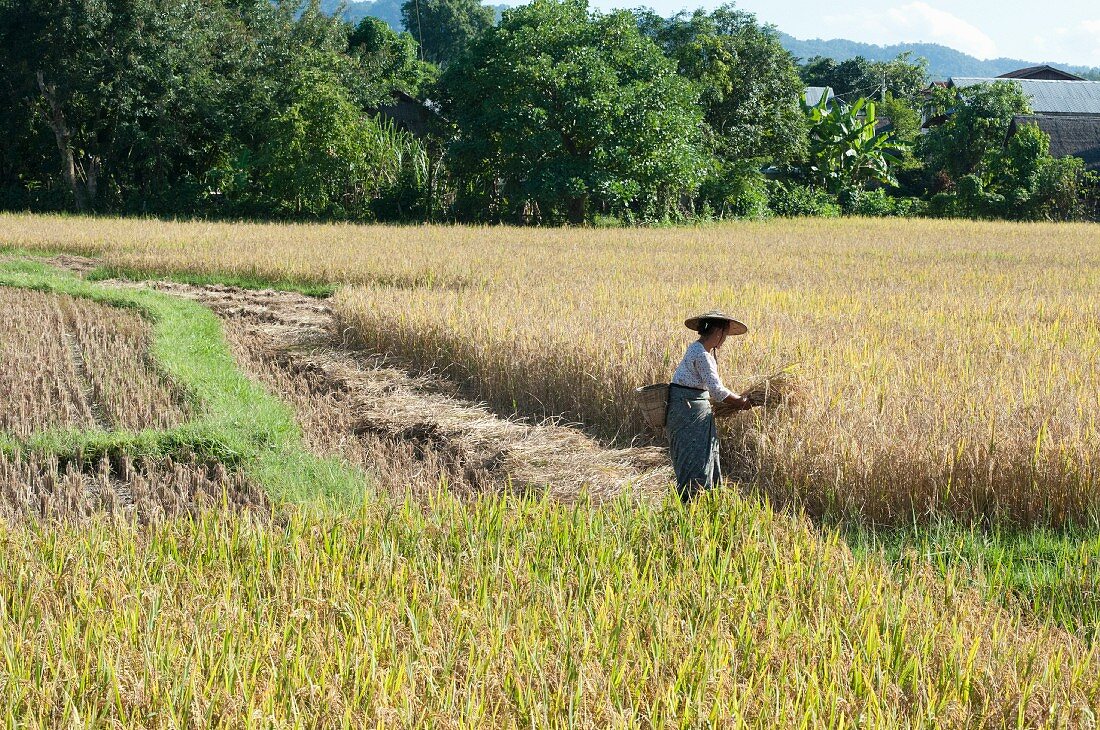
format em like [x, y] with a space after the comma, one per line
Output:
[555, 113]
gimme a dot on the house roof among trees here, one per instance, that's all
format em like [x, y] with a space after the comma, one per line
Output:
[814, 94]
[1050, 97]
[1044, 73]
[1078, 136]
[408, 113]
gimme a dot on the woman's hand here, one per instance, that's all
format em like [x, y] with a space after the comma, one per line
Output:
[739, 402]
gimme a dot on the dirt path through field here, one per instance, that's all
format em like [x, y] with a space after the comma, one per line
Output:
[413, 433]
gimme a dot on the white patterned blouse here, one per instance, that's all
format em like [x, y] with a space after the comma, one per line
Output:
[699, 370]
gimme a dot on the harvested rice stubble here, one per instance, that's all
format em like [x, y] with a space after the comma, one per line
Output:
[414, 434]
[73, 363]
[39, 378]
[42, 486]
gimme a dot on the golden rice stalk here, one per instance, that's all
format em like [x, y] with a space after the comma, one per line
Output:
[769, 391]
[1000, 320]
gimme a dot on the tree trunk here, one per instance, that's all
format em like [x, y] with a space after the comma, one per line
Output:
[577, 207]
[91, 181]
[64, 146]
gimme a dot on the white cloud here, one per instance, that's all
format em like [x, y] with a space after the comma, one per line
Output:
[1081, 44]
[912, 22]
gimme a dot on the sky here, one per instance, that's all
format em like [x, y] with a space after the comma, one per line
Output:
[1067, 31]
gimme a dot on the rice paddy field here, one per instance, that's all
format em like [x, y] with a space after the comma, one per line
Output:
[912, 540]
[942, 366]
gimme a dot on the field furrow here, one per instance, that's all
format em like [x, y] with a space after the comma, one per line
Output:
[36, 487]
[414, 434]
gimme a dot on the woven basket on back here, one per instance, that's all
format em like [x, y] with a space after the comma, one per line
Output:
[653, 400]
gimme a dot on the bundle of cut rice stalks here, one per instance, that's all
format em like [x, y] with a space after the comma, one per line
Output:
[767, 392]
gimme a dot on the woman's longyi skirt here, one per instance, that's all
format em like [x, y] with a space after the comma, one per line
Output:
[693, 440]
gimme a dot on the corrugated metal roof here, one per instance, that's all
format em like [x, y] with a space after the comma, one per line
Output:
[814, 94]
[1050, 97]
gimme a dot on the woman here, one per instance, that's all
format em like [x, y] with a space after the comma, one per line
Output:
[691, 429]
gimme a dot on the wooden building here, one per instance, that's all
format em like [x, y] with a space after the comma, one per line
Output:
[1049, 97]
[1041, 73]
[408, 113]
[1065, 106]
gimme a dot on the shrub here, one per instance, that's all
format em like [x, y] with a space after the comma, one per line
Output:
[1090, 196]
[878, 204]
[735, 190]
[978, 201]
[1061, 190]
[791, 200]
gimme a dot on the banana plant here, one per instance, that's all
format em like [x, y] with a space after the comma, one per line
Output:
[844, 150]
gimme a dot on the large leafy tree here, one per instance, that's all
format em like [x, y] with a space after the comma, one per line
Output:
[321, 157]
[159, 105]
[559, 108]
[977, 122]
[390, 56]
[749, 85]
[125, 90]
[444, 28]
[281, 41]
[306, 145]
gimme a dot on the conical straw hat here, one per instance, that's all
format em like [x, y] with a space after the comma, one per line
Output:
[736, 327]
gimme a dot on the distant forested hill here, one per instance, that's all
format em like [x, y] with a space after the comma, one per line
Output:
[943, 62]
[387, 10]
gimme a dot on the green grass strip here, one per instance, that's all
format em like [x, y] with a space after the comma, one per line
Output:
[102, 273]
[237, 421]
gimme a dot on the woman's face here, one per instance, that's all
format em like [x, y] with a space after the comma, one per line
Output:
[721, 334]
[718, 335]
